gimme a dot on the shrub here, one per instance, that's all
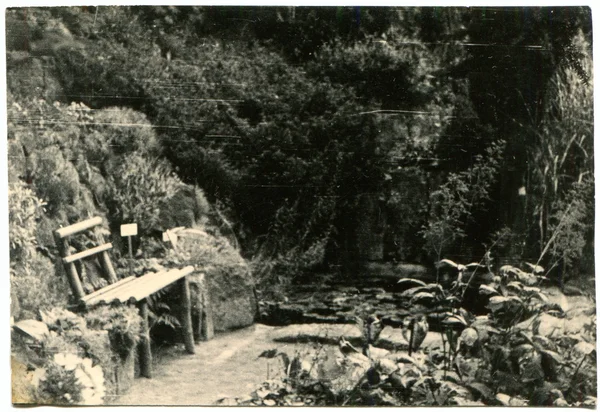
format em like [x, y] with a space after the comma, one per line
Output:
[141, 187]
[519, 353]
[123, 324]
[561, 164]
[453, 204]
[126, 131]
[56, 179]
[69, 380]
[24, 207]
[571, 224]
[36, 286]
[73, 364]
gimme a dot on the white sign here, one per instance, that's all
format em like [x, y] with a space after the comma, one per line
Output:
[129, 230]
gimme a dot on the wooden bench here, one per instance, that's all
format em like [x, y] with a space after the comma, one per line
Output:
[130, 290]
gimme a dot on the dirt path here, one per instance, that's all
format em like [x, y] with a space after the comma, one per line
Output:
[226, 366]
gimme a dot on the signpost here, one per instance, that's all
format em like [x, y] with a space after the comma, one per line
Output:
[129, 230]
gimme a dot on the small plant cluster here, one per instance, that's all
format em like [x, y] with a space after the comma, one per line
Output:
[24, 209]
[74, 359]
[33, 284]
[453, 203]
[70, 362]
[68, 379]
[123, 324]
[142, 187]
[518, 353]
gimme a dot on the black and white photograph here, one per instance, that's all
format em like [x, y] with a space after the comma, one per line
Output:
[300, 205]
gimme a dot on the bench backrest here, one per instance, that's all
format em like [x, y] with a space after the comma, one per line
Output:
[61, 237]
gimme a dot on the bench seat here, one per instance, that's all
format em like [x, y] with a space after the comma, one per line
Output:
[135, 289]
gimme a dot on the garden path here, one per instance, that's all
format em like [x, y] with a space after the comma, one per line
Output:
[224, 367]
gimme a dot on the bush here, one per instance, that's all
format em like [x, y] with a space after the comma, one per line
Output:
[572, 228]
[36, 286]
[454, 203]
[73, 364]
[123, 324]
[56, 179]
[519, 353]
[141, 187]
[127, 131]
[24, 208]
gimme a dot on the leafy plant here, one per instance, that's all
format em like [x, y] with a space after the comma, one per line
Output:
[453, 203]
[36, 286]
[516, 354]
[160, 317]
[24, 209]
[123, 324]
[141, 187]
[69, 380]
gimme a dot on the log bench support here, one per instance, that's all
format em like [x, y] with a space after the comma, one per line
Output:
[145, 344]
[188, 330]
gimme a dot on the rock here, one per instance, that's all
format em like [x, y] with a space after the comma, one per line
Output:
[394, 272]
[555, 296]
[378, 353]
[543, 324]
[312, 318]
[353, 369]
[321, 333]
[373, 291]
[392, 339]
[32, 329]
[575, 323]
[230, 284]
[282, 314]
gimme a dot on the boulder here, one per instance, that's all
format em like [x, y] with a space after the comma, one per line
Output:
[32, 329]
[230, 283]
[543, 324]
[353, 369]
[432, 340]
[321, 333]
[555, 296]
[392, 339]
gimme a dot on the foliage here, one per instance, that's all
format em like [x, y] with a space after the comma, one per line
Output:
[570, 225]
[141, 187]
[561, 168]
[24, 208]
[36, 287]
[296, 118]
[452, 204]
[72, 364]
[69, 380]
[123, 324]
[519, 353]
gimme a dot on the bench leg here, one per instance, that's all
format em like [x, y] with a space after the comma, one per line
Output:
[188, 332]
[207, 332]
[197, 320]
[145, 350]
